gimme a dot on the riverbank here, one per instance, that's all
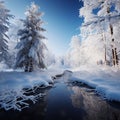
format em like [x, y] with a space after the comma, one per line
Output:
[17, 88]
[106, 81]
[65, 101]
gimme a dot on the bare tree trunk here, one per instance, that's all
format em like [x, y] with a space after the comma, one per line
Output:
[117, 60]
[105, 55]
[105, 46]
[113, 60]
[31, 65]
[114, 49]
[26, 67]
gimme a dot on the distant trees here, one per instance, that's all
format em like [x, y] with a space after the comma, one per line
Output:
[4, 23]
[31, 46]
[73, 56]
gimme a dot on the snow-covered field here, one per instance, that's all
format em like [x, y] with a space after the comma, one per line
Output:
[106, 81]
[14, 87]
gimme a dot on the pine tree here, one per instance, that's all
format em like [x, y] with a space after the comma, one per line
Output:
[4, 23]
[31, 46]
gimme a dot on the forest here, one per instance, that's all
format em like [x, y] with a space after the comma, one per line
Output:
[30, 71]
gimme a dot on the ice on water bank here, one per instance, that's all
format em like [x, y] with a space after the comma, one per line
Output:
[105, 81]
[15, 87]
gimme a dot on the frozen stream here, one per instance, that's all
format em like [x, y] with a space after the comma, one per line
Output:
[65, 101]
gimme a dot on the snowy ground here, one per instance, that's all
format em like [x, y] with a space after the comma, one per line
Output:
[15, 87]
[106, 81]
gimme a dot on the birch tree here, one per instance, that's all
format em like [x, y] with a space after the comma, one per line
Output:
[101, 17]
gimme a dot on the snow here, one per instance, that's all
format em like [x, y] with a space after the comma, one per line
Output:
[87, 50]
[105, 81]
[93, 47]
[14, 87]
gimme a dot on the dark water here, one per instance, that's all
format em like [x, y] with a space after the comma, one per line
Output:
[67, 102]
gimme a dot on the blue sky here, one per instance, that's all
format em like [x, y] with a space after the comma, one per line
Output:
[61, 16]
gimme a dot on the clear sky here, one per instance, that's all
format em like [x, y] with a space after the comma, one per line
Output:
[61, 16]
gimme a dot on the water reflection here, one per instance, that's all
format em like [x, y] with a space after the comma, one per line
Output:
[67, 102]
[59, 105]
[77, 98]
[95, 107]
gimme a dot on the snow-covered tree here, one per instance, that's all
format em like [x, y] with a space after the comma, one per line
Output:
[99, 34]
[49, 58]
[15, 25]
[101, 18]
[4, 26]
[110, 13]
[73, 56]
[31, 46]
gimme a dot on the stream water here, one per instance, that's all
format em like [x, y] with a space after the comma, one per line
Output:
[65, 101]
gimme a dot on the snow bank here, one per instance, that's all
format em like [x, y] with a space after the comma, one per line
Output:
[16, 88]
[105, 81]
